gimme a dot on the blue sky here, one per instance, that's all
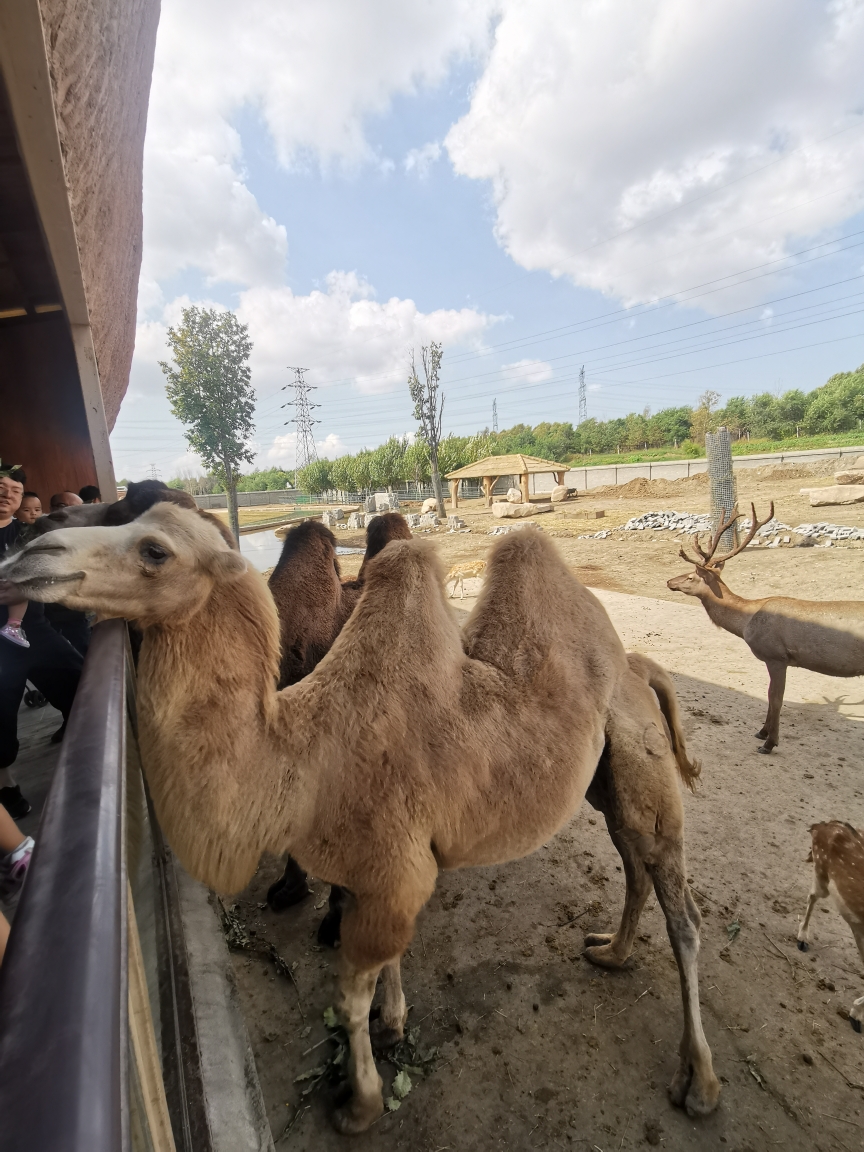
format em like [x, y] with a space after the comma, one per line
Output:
[495, 177]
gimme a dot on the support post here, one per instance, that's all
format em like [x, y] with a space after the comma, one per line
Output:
[724, 490]
[559, 478]
[454, 494]
[523, 484]
[488, 485]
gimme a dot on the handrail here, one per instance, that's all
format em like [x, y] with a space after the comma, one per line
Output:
[63, 990]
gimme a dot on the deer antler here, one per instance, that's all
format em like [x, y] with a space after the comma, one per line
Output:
[708, 560]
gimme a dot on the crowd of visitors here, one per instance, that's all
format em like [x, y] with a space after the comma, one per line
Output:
[42, 643]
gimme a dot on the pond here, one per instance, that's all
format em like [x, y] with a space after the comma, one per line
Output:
[262, 549]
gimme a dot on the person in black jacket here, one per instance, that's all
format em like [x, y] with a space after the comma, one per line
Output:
[50, 662]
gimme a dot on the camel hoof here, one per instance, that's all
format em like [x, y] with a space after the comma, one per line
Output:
[702, 1100]
[384, 1038]
[603, 955]
[354, 1116]
[803, 946]
[680, 1086]
[281, 895]
[330, 929]
[594, 939]
[856, 1024]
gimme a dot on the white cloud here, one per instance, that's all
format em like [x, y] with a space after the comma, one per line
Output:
[313, 70]
[528, 371]
[346, 333]
[420, 160]
[591, 119]
[281, 453]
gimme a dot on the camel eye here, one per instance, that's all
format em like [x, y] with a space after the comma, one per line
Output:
[154, 553]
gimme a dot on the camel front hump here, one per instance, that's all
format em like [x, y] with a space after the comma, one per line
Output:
[820, 642]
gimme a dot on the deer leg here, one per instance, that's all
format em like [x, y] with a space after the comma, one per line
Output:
[610, 950]
[856, 1012]
[776, 687]
[818, 891]
[694, 1086]
[391, 1024]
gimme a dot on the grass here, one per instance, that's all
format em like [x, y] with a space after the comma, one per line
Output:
[739, 448]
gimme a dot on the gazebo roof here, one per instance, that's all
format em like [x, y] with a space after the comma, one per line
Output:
[515, 465]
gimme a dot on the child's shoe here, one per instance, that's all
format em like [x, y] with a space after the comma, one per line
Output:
[13, 869]
[15, 633]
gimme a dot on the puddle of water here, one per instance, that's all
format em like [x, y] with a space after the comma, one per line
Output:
[263, 549]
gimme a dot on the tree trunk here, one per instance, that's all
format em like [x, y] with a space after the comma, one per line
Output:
[436, 482]
[231, 492]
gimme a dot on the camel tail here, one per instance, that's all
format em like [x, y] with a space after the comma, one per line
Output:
[661, 682]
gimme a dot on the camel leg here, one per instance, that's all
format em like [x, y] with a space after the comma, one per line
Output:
[366, 1104]
[770, 731]
[818, 891]
[610, 950]
[394, 1012]
[329, 930]
[290, 888]
[694, 1085]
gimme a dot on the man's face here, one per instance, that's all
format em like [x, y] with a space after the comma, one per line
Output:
[10, 498]
[64, 500]
[30, 510]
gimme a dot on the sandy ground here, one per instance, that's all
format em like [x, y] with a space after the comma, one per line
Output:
[536, 1047]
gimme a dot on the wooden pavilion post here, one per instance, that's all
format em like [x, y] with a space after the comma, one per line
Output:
[559, 478]
[523, 484]
[454, 494]
[488, 485]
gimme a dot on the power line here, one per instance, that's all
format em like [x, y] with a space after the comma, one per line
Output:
[305, 449]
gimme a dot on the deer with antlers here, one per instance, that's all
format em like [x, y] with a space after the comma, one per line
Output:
[826, 637]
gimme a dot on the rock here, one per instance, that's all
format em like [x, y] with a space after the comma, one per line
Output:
[836, 494]
[853, 476]
[428, 520]
[514, 495]
[332, 516]
[413, 520]
[430, 505]
[386, 502]
[369, 504]
[357, 520]
[503, 511]
[454, 523]
[559, 492]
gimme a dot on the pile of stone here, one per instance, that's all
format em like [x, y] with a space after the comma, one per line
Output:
[455, 524]
[596, 535]
[428, 520]
[848, 488]
[412, 519]
[772, 527]
[688, 522]
[332, 516]
[825, 531]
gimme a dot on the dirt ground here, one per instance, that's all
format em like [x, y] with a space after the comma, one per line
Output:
[537, 1048]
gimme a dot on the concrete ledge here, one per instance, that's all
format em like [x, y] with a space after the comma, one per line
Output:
[235, 1106]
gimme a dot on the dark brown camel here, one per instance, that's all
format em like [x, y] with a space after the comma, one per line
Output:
[314, 603]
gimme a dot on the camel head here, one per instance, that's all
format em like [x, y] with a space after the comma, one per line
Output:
[161, 568]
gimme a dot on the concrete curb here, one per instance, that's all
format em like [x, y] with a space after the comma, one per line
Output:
[235, 1107]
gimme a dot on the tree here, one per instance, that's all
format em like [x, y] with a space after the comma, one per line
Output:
[316, 477]
[210, 391]
[429, 410]
[703, 420]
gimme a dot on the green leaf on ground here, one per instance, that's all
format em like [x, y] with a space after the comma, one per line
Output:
[732, 930]
[401, 1085]
[330, 1018]
[392, 1103]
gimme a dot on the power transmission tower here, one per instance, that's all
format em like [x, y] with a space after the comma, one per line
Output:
[495, 415]
[154, 472]
[583, 396]
[305, 451]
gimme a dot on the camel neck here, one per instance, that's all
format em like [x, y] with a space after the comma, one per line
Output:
[727, 610]
[207, 705]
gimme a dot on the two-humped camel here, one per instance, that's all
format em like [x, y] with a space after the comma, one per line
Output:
[409, 749]
[823, 636]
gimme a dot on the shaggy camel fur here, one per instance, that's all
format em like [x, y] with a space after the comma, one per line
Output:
[313, 603]
[407, 750]
[824, 636]
[837, 852]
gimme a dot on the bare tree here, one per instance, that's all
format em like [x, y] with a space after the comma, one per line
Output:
[429, 409]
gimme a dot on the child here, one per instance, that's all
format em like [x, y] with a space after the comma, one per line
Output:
[28, 513]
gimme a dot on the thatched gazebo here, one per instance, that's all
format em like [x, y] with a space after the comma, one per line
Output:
[491, 468]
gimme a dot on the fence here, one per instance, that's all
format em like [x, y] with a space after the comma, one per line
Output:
[584, 479]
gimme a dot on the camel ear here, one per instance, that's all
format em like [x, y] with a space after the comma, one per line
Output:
[229, 564]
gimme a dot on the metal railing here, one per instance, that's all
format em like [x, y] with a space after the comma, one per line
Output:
[99, 1048]
[63, 990]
